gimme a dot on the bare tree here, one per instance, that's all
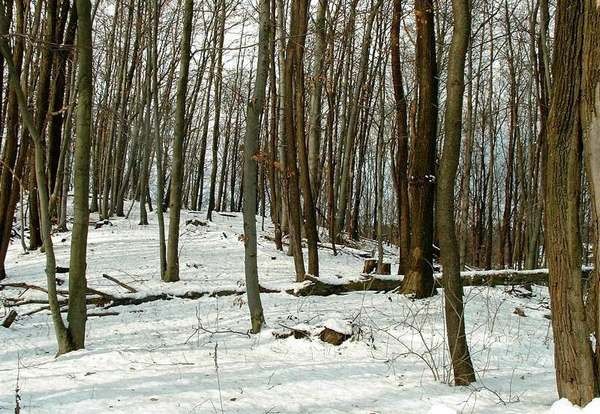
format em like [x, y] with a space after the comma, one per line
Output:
[449, 247]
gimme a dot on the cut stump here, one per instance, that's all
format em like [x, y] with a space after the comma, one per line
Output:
[10, 318]
[369, 266]
[333, 337]
[385, 269]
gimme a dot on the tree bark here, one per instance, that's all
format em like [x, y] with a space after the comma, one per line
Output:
[255, 109]
[172, 273]
[574, 363]
[401, 154]
[419, 278]
[449, 247]
[591, 145]
[77, 266]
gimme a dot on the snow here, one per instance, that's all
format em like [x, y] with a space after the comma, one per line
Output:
[441, 409]
[563, 406]
[343, 327]
[195, 356]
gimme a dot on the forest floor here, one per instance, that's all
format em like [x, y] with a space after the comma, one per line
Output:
[194, 355]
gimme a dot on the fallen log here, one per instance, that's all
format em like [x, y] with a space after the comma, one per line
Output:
[127, 301]
[507, 277]
[107, 301]
[365, 283]
[98, 301]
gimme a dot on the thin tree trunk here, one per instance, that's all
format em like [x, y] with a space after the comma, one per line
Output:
[160, 173]
[255, 109]
[401, 155]
[449, 247]
[172, 273]
[350, 136]
[62, 334]
[318, 78]
[217, 120]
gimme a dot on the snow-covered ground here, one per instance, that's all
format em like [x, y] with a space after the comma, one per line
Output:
[194, 356]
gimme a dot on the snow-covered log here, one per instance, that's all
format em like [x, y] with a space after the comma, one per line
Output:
[505, 277]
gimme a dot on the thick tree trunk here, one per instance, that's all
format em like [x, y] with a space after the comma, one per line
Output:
[574, 363]
[419, 278]
[591, 144]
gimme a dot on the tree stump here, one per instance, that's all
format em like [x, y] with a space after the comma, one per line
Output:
[335, 332]
[385, 269]
[333, 337]
[12, 315]
[369, 266]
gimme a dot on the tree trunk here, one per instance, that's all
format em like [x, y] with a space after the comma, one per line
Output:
[449, 247]
[289, 136]
[401, 155]
[318, 78]
[255, 109]
[160, 173]
[77, 266]
[350, 136]
[62, 334]
[172, 273]
[574, 363]
[419, 278]
[217, 120]
[591, 145]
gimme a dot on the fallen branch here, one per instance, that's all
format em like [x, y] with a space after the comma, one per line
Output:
[90, 291]
[118, 282]
[43, 308]
[26, 286]
[101, 314]
[62, 292]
